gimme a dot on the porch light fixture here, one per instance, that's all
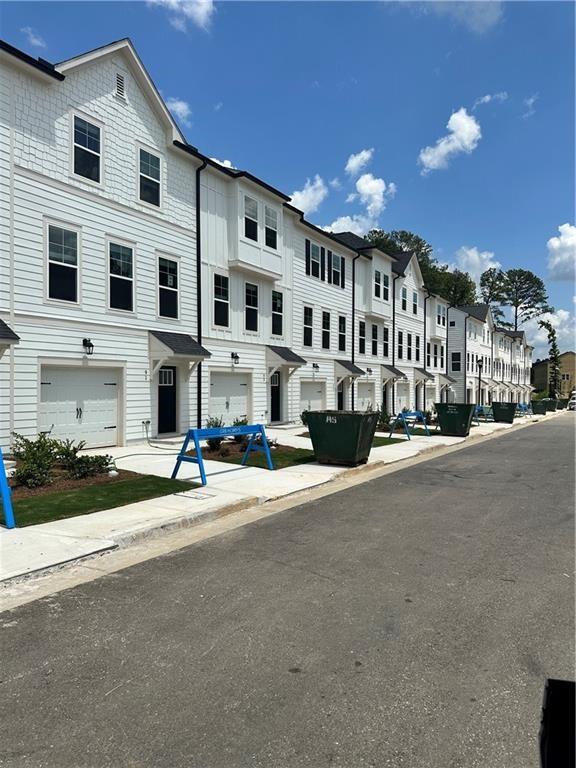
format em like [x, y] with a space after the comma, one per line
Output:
[369, 371]
[235, 357]
[315, 367]
[88, 346]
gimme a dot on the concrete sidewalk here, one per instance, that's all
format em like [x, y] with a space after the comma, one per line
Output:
[230, 487]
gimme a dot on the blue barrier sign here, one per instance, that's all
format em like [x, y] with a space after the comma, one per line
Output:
[252, 431]
[6, 496]
[409, 419]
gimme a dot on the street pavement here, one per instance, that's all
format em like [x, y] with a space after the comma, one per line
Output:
[409, 621]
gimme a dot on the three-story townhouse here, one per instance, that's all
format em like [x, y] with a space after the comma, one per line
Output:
[100, 253]
[435, 362]
[470, 346]
[512, 361]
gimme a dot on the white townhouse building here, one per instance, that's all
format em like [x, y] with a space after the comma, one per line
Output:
[512, 365]
[97, 254]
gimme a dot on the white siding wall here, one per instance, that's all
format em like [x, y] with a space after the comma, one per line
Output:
[409, 323]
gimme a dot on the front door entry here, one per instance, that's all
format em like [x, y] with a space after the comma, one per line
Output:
[275, 398]
[167, 399]
[340, 392]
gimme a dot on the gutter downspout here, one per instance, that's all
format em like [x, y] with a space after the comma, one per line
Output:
[465, 361]
[424, 351]
[394, 339]
[353, 325]
[199, 294]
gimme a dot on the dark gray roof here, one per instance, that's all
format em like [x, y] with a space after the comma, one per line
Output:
[511, 333]
[448, 378]
[424, 373]
[353, 241]
[40, 64]
[478, 311]
[349, 366]
[6, 333]
[396, 371]
[181, 343]
[401, 261]
[288, 355]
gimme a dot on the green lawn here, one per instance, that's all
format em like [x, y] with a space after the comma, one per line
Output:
[43, 508]
[379, 441]
[281, 458]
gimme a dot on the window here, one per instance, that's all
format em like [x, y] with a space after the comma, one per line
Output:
[221, 301]
[342, 334]
[455, 362]
[442, 356]
[86, 149]
[314, 260]
[250, 218]
[168, 287]
[435, 355]
[251, 307]
[414, 303]
[336, 264]
[441, 314]
[385, 287]
[325, 330]
[375, 340]
[62, 264]
[404, 299]
[121, 275]
[377, 283]
[452, 323]
[149, 190]
[428, 355]
[277, 313]
[271, 227]
[166, 377]
[400, 345]
[308, 317]
[362, 337]
[385, 349]
[417, 349]
[409, 346]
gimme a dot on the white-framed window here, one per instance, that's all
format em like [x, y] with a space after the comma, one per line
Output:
[414, 303]
[428, 361]
[456, 362]
[342, 333]
[417, 349]
[409, 346]
[149, 179]
[337, 270]
[63, 263]
[87, 149]
[221, 300]
[386, 342]
[277, 313]
[325, 330]
[400, 345]
[404, 299]
[308, 321]
[168, 298]
[250, 218]
[120, 277]
[442, 356]
[374, 340]
[362, 337]
[251, 307]
[441, 314]
[315, 260]
[435, 355]
[166, 377]
[385, 287]
[377, 283]
[271, 227]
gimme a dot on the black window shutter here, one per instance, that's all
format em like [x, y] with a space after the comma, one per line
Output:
[322, 263]
[342, 270]
[307, 257]
[330, 266]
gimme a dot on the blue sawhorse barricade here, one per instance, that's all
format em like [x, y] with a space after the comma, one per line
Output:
[252, 431]
[5, 496]
[409, 419]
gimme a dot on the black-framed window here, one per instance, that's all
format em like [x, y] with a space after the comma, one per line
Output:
[87, 149]
[121, 275]
[277, 313]
[325, 330]
[386, 342]
[338, 266]
[435, 355]
[362, 337]
[417, 349]
[428, 358]
[456, 362]
[442, 356]
[62, 264]
[377, 283]
[385, 287]
[315, 260]
[375, 340]
[400, 345]
[221, 300]
[342, 333]
[404, 299]
[250, 218]
[251, 307]
[308, 321]
[149, 178]
[409, 346]
[271, 227]
[414, 303]
[167, 287]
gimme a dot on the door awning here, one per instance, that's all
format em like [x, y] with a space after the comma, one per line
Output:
[445, 381]
[7, 335]
[283, 357]
[165, 345]
[421, 375]
[389, 373]
[347, 368]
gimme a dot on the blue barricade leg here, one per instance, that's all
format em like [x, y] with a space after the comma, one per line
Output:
[200, 459]
[247, 451]
[179, 459]
[6, 496]
[267, 450]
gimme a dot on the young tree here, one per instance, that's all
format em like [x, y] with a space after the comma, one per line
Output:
[458, 288]
[525, 293]
[553, 358]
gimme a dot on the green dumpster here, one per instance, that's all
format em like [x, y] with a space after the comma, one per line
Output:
[504, 411]
[563, 402]
[342, 437]
[550, 403]
[455, 418]
[538, 407]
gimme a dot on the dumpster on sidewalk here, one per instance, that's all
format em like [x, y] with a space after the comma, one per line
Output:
[455, 419]
[550, 403]
[504, 412]
[538, 407]
[342, 437]
[563, 403]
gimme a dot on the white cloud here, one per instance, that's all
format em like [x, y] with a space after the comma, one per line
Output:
[358, 161]
[33, 37]
[373, 193]
[464, 135]
[529, 104]
[335, 183]
[500, 97]
[478, 16]
[199, 12]
[562, 254]
[351, 197]
[311, 196]
[359, 224]
[225, 163]
[180, 109]
[474, 261]
[218, 106]
[564, 323]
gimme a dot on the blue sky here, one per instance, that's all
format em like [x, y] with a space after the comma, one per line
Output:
[290, 91]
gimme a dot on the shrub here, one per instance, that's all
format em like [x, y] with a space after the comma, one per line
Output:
[239, 423]
[35, 460]
[214, 422]
[384, 419]
[89, 466]
[66, 452]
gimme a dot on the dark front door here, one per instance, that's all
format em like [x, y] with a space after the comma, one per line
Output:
[167, 399]
[275, 398]
[340, 392]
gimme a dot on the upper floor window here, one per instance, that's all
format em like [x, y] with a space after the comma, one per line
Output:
[277, 313]
[308, 320]
[409, 346]
[377, 283]
[121, 275]
[342, 334]
[428, 354]
[456, 362]
[251, 307]
[414, 303]
[362, 337]
[400, 345]
[417, 349]
[149, 178]
[167, 287]
[336, 266]
[315, 260]
[325, 330]
[250, 218]
[374, 340]
[441, 314]
[221, 300]
[404, 299]
[62, 264]
[435, 355]
[271, 226]
[385, 286]
[386, 344]
[87, 149]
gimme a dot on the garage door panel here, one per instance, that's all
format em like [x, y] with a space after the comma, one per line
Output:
[312, 395]
[365, 396]
[229, 396]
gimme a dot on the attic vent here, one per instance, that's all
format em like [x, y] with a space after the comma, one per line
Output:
[120, 92]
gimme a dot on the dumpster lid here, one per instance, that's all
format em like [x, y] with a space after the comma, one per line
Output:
[389, 372]
[348, 368]
[279, 356]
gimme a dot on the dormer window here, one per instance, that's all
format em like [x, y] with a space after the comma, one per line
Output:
[87, 149]
[271, 226]
[251, 218]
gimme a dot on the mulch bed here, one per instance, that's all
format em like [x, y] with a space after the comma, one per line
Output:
[64, 483]
[231, 449]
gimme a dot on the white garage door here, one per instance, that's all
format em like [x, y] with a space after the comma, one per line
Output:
[80, 404]
[366, 396]
[229, 396]
[402, 395]
[312, 395]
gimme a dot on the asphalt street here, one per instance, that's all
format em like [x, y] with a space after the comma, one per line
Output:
[409, 621]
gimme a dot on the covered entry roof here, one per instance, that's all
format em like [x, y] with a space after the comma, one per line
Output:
[446, 380]
[423, 375]
[349, 368]
[389, 372]
[7, 335]
[168, 344]
[284, 356]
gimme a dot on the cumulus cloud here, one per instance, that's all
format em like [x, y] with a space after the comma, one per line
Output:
[474, 261]
[218, 106]
[479, 17]
[358, 161]
[564, 323]
[463, 136]
[225, 163]
[562, 253]
[181, 12]
[33, 37]
[311, 196]
[360, 224]
[374, 194]
[335, 183]
[529, 104]
[499, 97]
[180, 109]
